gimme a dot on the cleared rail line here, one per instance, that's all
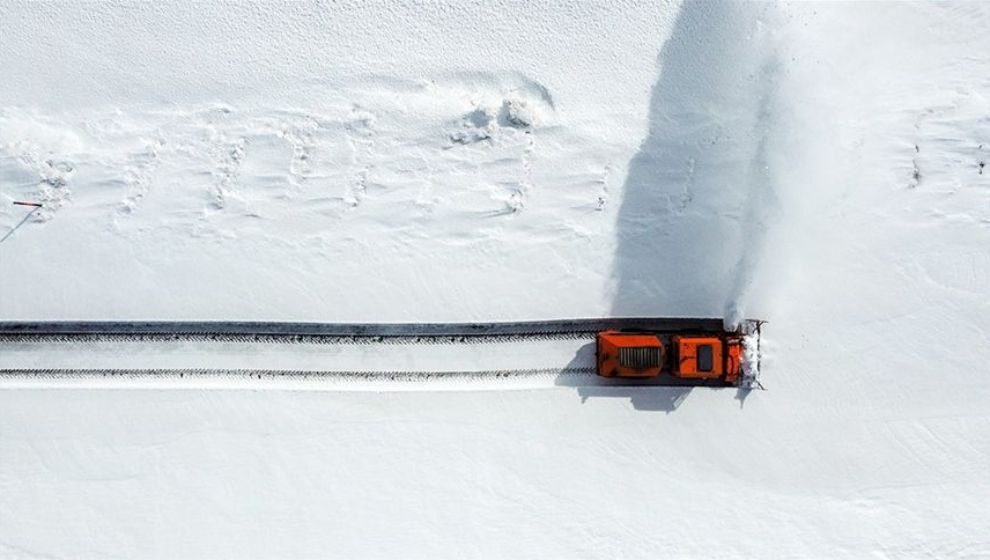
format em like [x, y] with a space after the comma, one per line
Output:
[335, 333]
[401, 352]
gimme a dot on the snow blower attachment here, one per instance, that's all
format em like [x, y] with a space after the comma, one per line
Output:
[690, 355]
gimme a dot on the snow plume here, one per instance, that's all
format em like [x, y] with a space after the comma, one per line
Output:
[699, 195]
[762, 205]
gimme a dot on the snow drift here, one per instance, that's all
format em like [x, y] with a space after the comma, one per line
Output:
[819, 165]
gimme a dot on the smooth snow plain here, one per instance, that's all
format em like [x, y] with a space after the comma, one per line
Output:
[820, 166]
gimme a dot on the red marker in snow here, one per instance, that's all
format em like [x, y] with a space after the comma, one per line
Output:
[21, 203]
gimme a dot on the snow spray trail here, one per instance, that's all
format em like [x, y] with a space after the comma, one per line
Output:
[762, 203]
[694, 198]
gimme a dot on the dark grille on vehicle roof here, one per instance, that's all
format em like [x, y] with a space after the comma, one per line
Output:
[641, 357]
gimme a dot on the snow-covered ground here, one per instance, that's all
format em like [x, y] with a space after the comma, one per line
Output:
[817, 165]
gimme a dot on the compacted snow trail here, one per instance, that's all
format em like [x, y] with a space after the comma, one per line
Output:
[191, 361]
[286, 379]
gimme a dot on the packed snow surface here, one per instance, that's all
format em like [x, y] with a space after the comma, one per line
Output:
[821, 166]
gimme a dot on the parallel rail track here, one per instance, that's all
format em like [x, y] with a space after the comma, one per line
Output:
[337, 333]
[78, 335]
[328, 339]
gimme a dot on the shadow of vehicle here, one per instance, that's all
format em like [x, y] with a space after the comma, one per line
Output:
[657, 398]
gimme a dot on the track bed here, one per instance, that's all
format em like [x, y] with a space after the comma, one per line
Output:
[562, 352]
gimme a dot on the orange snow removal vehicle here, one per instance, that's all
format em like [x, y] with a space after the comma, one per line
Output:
[710, 358]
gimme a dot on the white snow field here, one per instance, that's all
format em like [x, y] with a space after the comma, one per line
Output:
[820, 166]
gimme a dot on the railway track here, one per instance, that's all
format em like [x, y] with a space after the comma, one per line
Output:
[336, 333]
[327, 339]
[272, 351]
